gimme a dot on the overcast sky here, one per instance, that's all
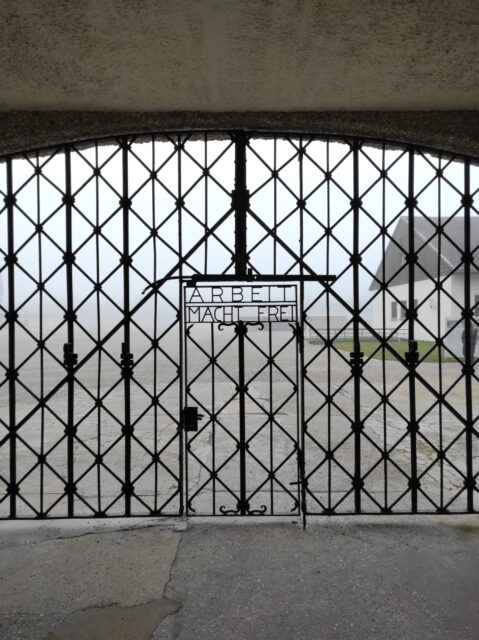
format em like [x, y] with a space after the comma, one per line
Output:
[326, 206]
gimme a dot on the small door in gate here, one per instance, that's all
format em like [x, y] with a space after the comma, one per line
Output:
[242, 398]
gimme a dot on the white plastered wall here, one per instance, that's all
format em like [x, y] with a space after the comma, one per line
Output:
[434, 308]
[438, 312]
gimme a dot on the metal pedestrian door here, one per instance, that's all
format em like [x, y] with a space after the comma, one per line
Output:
[242, 414]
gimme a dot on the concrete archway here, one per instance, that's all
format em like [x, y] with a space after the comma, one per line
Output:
[404, 72]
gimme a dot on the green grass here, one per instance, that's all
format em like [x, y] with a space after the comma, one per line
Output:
[400, 346]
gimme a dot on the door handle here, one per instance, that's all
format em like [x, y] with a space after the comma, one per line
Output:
[190, 418]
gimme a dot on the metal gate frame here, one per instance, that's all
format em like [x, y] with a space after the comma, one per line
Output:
[243, 497]
[240, 209]
[241, 330]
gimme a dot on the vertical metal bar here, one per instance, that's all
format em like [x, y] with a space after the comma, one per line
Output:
[40, 339]
[468, 356]
[182, 356]
[155, 319]
[384, 336]
[412, 355]
[275, 203]
[240, 203]
[205, 168]
[213, 413]
[212, 340]
[356, 356]
[10, 202]
[301, 447]
[300, 479]
[125, 355]
[69, 347]
[440, 332]
[270, 391]
[241, 330]
[302, 420]
[328, 322]
[98, 328]
[184, 333]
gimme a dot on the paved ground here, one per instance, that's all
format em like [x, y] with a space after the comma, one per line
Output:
[339, 579]
[271, 462]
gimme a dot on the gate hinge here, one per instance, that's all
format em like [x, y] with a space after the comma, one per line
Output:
[356, 360]
[70, 359]
[126, 362]
[298, 333]
[412, 356]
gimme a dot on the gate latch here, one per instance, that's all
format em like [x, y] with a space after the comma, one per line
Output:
[190, 418]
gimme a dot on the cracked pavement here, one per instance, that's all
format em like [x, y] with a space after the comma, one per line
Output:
[411, 578]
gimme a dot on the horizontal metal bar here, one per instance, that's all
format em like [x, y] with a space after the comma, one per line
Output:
[281, 515]
[221, 277]
[258, 303]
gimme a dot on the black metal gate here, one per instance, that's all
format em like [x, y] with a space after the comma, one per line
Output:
[363, 400]
[243, 459]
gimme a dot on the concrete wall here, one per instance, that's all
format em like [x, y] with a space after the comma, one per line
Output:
[403, 71]
[454, 131]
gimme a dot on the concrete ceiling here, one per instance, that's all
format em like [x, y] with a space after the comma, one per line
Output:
[239, 55]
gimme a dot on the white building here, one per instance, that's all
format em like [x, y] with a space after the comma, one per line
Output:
[439, 262]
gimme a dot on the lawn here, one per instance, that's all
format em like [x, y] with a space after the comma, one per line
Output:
[401, 346]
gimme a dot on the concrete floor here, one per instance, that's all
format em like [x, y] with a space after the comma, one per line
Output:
[272, 446]
[159, 580]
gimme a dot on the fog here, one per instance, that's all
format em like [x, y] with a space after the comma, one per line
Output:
[158, 235]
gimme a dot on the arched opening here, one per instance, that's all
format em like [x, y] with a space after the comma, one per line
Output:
[315, 298]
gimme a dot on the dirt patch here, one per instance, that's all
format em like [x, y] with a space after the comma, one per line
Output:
[137, 622]
[469, 528]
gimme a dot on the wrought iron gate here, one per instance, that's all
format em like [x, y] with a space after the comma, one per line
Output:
[365, 402]
[243, 459]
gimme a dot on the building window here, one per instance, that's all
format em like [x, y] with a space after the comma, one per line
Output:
[476, 306]
[403, 309]
[394, 310]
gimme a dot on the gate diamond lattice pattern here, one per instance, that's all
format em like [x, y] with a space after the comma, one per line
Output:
[367, 402]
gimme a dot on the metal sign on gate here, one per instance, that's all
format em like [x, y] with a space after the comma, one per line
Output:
[232, 303]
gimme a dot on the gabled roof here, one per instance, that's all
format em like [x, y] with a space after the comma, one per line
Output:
[439, 251]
